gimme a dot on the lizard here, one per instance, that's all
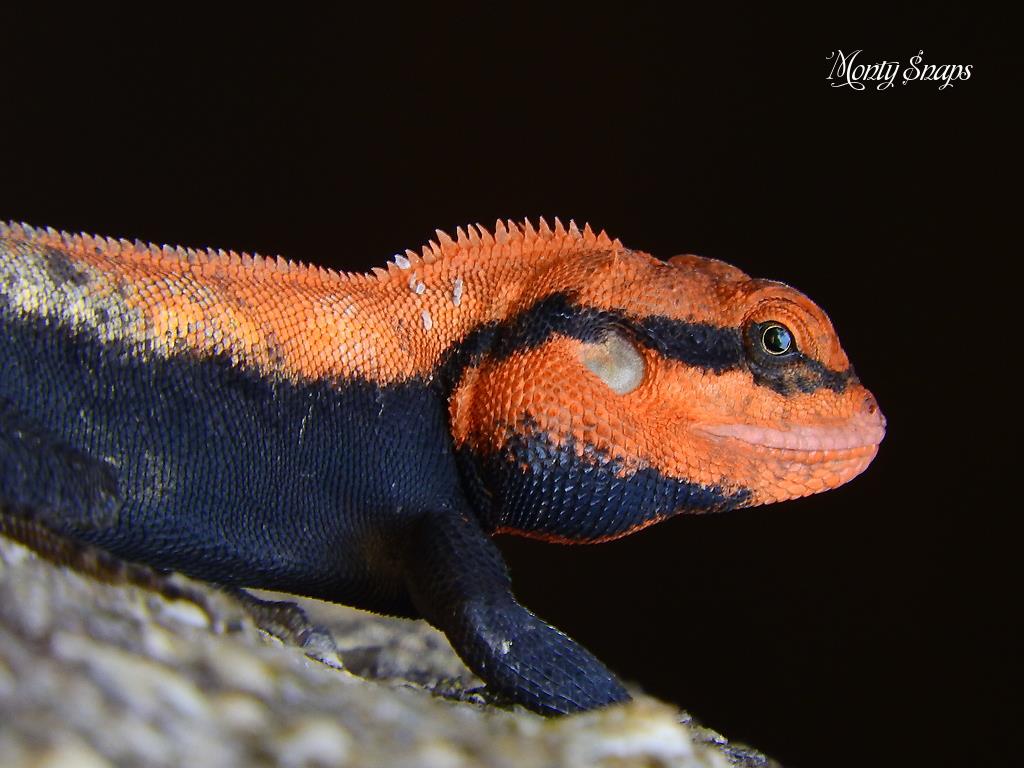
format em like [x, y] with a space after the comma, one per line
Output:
[360, 438]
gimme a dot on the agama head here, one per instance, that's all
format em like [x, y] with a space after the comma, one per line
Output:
[623, 390]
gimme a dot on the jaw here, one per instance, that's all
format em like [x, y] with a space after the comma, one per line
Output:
[779, 464]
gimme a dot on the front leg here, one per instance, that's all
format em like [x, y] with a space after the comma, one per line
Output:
[459, 582]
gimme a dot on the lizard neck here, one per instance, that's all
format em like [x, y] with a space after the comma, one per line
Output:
[436, 312]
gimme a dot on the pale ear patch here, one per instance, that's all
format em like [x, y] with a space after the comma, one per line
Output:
[616, 361]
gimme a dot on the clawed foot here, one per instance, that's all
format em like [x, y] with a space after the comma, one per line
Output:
[288, 622]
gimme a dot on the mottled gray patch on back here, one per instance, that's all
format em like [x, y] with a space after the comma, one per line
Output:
[61, 269]
[41, 281]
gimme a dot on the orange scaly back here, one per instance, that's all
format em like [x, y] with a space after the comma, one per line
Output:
[277, 315]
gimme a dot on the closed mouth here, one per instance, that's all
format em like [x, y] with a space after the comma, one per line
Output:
[833, 443]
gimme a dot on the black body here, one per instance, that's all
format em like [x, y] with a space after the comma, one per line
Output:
[346, 491]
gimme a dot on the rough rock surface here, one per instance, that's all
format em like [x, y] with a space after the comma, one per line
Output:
[97, 674]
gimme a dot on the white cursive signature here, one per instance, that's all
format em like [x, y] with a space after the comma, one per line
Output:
[846, 71]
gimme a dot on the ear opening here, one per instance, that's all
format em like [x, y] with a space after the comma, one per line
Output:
[616, 361]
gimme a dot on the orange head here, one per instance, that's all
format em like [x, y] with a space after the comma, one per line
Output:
[620, 390]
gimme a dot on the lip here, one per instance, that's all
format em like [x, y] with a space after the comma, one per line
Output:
[849, 440]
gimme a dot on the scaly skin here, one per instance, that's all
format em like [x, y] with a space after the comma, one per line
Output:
[359, 438]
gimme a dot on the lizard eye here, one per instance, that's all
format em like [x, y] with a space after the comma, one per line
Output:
[616, 361]
[776, 339]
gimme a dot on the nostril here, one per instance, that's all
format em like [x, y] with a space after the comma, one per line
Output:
[872, 409]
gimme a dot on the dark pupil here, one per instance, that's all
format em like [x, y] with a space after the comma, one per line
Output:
[777, 340]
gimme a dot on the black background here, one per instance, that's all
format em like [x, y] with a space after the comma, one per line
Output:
[867, 626]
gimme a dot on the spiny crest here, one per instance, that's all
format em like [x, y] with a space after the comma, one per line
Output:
[508, 236]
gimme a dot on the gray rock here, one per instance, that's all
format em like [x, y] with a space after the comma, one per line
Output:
[100, 674]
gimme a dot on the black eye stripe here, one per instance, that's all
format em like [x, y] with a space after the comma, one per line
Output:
[698, 344]
[702, 345]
